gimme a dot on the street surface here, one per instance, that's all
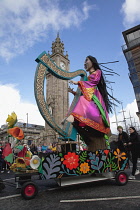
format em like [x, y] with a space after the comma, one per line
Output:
[103, 195]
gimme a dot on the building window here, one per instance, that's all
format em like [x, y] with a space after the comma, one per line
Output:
[130, 37]
[133, 36]
[138, 103]
[134, 79]
[132, 70]
[137, 93]
[137, 34]
[131, 64]
[128, 55]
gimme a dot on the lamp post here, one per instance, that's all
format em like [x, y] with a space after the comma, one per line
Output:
[114, 107]
[124, 117]
[27, 120]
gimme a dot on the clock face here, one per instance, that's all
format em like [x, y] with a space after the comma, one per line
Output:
[62, 65]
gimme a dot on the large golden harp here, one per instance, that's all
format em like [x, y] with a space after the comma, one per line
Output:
[46, 65]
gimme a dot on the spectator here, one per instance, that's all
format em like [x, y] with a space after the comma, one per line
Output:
[53, 147]
[44, 148]
[134, 144]
[123, 139]
[1, 160]
[33, 149]
[39, 148]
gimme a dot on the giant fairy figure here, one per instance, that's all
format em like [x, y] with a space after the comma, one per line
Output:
[90, 115]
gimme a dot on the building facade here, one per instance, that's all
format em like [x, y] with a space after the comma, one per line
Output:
[57, 96]
[131, 51]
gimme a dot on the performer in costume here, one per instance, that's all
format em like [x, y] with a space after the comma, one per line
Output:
[90, 115]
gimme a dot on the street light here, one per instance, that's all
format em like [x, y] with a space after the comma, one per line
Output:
[27, 120]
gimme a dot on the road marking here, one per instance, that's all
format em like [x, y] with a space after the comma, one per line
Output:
[10, 196]
[8, 179]
[99, 199]
[134, 180]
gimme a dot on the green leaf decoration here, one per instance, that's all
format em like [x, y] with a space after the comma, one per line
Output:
[83, 156]
[40, 169]
[60, 155]
[42, 159]
[9, 158]
[91, 171]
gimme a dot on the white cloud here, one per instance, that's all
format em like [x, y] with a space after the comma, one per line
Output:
[12, 101]
[131, 11]
[25, 22]
[130, 111]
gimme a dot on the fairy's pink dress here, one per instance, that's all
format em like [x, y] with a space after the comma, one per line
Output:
[87, 109]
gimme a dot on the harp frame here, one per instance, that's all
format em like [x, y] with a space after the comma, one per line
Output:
[47, 65]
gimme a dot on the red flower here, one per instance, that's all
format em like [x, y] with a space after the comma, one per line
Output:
[71, 160]
[106, 152]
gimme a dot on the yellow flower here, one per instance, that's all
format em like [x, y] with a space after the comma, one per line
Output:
[11, 120]
[28, 154]
[20, 162]
[13, 166]
[62, 159]
[120, 155]
[84, 167]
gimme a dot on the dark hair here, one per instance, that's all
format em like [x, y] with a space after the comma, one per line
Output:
[133, 129]
[101, 85]
[119, 126]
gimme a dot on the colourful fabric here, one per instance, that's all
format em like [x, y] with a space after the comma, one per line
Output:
[91, 108]
[97, 102]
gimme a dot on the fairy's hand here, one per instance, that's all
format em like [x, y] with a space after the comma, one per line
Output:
[71, 90]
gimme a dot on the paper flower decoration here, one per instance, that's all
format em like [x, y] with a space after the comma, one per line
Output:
[8, 154]
[13, 167]
[16, 132]
[27, 161]
[35, 162]
[11, 120]
[20, 163]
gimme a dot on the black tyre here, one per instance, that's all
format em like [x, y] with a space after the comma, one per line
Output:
[29, 190]
[121, 178]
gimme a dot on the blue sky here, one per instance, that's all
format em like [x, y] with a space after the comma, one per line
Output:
[90, 27]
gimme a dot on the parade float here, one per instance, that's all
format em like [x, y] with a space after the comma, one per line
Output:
[68, 166]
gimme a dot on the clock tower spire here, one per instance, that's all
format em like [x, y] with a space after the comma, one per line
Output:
[58, 46]
[57, 96]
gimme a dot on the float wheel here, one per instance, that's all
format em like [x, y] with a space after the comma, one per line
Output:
[29, 190]
[121, 178]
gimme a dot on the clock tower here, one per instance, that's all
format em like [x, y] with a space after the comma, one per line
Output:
[57, 96]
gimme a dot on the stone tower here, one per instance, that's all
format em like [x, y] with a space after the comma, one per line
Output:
[57, 90]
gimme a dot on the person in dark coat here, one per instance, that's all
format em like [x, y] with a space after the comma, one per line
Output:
[33, 149]
[134, 144]
[123, 139]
